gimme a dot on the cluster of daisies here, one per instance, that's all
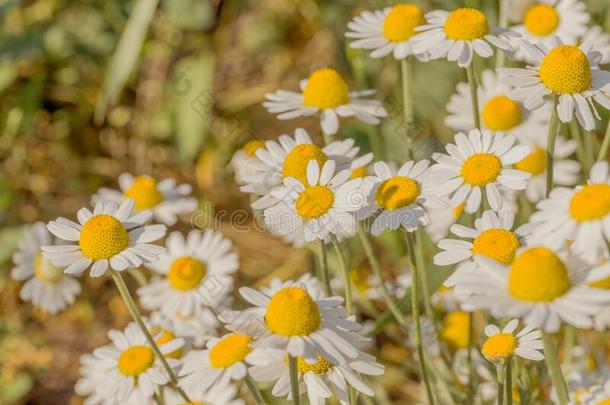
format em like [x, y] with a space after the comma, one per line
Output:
[529, 244]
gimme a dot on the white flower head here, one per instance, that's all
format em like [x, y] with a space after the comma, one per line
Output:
[501, 345]
[600, 40]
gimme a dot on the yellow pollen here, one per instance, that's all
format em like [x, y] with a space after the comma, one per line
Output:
[144, 193]
[397, 192]
[541, 20]
[466, 24]
[502, 114]
[230, 350]
[481, 169]
[534, 163]
[604, 283]
[186, 273]
[566, 70]
[497, 244]
[320, 367]
[590, 203]
[538, 275]
[103, 237]
[400, 23]
[359, 172]
[45, 270]
[295, 163]
[251, 147]
[455, 329]
[325, 89]
[499, 346]
[313, 202]
[136, 360]
[165, 337]
[292, 312]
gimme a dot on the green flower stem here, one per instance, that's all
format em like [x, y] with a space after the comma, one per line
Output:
[135, 314]
[502, 23]
[580, 149]
[471, 370]
[324, 268]
[554, 369]
[603, 151]
[415, 310]
[550, 146]
[256, 395]
[473, 95]
[509, 381]
[294, 380]
[500, 380]
[406, 71]
[349, 306]
[421, 265]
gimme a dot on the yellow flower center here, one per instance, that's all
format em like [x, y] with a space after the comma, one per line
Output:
[534, 163]
[295, 163]
[397, 192]
[497, 243]
[230, 350]
[466, 24]
[251, 147]
[501, 113]
[566, 70]
[325, 89]
[45, 271]
[165, 337]
[144, 193]
[136, 360]
[313, 202]
[481, 169]
[320, 367]
[590, 203]
[538, 275]
[186, 273]
[292, 312]
[359, 172]
[578, 394]
[102, 237]
[360, 278]
[499, 346]
[455, 329]
[459, 210]
[400, 23]
[541, 20]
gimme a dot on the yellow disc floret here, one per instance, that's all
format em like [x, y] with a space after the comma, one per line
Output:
[186, 273]
[466, 24]
[136, 360]
[163, 336]
[541, 20]
[295, 163]
[397, 192]
[538, 275]
[481, 169]
[102, 237]
[230, 350]
[455, 329]
[292, 312]
[45, 270]
[534, 163]
[591, 202]
[313, 202]
[144, 193]
[251, 147]
[566, 70]
[497, 244]
[320, 367]
[325, 89]
[399, 25]
[499, 347]
[501, 113]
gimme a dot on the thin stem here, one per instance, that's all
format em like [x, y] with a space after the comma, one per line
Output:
[324, 268]
[138, 276]
[406, 71]
[502, 23]
[603, 152]
[294, 380]
[555, 370]
[580, 149]
[550, 145]
[415, 311]
[471, 370]
[135, 314]
[509, 381]
[569, 340]
[346, 281]
[421, 265]
[473, 95]
[256, 395]
[500, 380]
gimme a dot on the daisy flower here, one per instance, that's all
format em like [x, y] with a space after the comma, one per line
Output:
[457, 34]
[197, 272]
[325, 92]
[108, 237]
[196, 330]
[46, 285]
[455, 329]
[499, 113]
[165, 199]
[567, 71]
[597, 395]
[501, 345]
[244, 160]
[441, 221]
[599, 277]
[600, 40]
[397, 197]
[90, 383]
[580, 215]
[387, 31]
[477, 162]
[324, 205]
[540, 286]
[321, 378]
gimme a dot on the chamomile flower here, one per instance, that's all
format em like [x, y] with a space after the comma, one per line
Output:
[244, 160]
[196, 330]
[322, 206]
[600, 40]
[325, 92]
[387, 31]
[92, 376]
[455, 328]
[498, 112]
[599, 277]
[397, 197]
[580, 215]
[108, 237]
[477, 162]
[597, 395]
[569, 72]
[501, 345]
[46, 285]
[541, 287]
[197, 272]
[165, 199]
[456, 35]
